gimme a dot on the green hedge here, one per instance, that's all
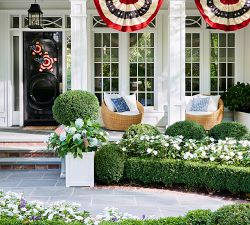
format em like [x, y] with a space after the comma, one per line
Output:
[190, 174]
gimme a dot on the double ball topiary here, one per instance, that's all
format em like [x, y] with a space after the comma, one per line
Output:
[228, 130]
[188, 129]
[109, 164]
[140, 129]
[72, 105]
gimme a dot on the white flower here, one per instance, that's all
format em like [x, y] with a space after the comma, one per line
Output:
[240, 157]
[212, 158]
[124, 149]
[166, 144]
[149, 150]
[232, 154]
[72, 130]
[227, 157]
[93, 142]
[155, 152]
[62, 136]
[76, 137]
[79, 123]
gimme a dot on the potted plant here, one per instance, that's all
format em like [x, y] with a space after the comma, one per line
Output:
[78, 143]
[237, 99]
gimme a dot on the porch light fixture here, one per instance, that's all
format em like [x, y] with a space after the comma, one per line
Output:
[35, 16]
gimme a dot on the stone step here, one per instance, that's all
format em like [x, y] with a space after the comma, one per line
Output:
[30, 163]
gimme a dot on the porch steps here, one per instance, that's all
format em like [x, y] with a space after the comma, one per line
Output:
[27, 156]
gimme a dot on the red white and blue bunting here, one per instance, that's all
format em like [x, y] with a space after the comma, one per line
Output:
[227, 15]
[127, 15]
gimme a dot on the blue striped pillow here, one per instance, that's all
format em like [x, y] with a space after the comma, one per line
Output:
[200, 104]
[120, 104]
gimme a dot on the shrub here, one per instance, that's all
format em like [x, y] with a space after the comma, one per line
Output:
[199, 217]
[188, 129]
[237, 98]
[109, 164]
[140, 129]
[246, 137]
[189, 174]
[232, 215]
[72, 105]
[228, 130]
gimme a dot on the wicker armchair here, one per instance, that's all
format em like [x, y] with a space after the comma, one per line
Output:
[209, 121]
[115, 121]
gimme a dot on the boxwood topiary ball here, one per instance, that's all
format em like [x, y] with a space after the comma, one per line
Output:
[140, 129]
[109, 164]
[228, 130]
[72, 105]
[188, 129]
[238, 214]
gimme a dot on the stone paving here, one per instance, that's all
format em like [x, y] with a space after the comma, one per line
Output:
[46, 186]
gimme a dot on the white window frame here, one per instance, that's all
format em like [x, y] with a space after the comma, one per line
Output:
[124, 88]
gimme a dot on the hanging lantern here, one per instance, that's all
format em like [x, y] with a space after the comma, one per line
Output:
[35, 16]
[127, 15]
[227, 15]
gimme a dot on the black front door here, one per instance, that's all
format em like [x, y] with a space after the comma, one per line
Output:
[42, 75]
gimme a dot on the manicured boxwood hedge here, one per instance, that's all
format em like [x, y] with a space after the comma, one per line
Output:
[190, 174]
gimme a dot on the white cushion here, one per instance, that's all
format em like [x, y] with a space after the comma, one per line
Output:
[108, 101]
[129, 113]
[189, 100]
[198, 113]
[131, 102]
[213, 102]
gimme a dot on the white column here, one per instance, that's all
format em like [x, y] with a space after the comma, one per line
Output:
[176, 61]
[247, 55]
[79, 55]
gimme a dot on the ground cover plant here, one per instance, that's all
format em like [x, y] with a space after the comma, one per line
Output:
[15, 210]
[229, 151]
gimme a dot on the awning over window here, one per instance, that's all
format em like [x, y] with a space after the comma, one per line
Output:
[128, 15]
[227, 15]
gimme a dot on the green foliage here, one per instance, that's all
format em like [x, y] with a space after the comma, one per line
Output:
[162, 221]
[189, 174]
[109, 164]
[81, 136]
[14, 221]
[72, 105]
[228, 130]
[237, 98]
[188, 129]
[199, 217]
[238, 214]
[140, 129]
[246, 137]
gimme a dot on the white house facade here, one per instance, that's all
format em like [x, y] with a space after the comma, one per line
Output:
[176, 55]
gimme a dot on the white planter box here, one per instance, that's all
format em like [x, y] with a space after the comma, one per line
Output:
[80, 172]
[243, 118]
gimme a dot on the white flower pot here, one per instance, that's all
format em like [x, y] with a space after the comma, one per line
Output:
[80, 172]
[243, 118]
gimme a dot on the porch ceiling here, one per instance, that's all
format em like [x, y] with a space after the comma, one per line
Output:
[61, 4]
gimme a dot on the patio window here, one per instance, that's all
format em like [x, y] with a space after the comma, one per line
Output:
[106, 63]
[141, 64]
[222, 61]
[68, 62]
[192, 60]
